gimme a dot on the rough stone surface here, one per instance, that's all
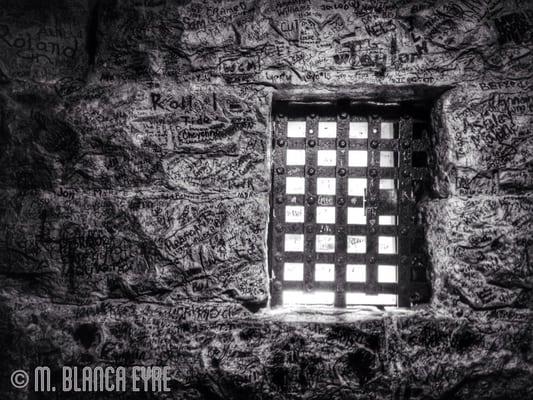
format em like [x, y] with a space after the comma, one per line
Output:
[135, 181]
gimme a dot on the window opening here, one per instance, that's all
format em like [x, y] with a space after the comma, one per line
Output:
[343, 227]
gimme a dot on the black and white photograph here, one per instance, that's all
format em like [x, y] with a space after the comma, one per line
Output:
[266, 199]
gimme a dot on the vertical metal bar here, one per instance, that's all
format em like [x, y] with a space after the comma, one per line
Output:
[341, 177]
[374, 134]
[279, 144]
[405, 212]
[310, 199]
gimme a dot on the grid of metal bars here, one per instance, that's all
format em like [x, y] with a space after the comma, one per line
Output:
[316, 145]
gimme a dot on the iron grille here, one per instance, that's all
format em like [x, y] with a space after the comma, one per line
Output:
[344, 223]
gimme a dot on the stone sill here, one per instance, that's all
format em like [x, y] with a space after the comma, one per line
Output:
[329, 314]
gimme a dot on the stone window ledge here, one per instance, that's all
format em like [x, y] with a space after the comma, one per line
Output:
[330, 315]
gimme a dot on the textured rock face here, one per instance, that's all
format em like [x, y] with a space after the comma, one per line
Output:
[135, 180]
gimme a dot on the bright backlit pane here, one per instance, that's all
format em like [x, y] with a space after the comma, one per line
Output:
[326, 157]
[325, 243]
[296, 129]
[387, 219]
[356, 244]
[356, 273]
[293, 272]
[387, 245]
[325, 215]
[386, 159]
[294, 242]
[387, 274]
[294, 214]
[357, 298]
[356, 186]
[387, 130]
[297, 297]
[325, 186]
[325, 272]
[357, 158]
[295, 157]
[356, 215]
[358, 130]
[387, 184]
[327, 129]
[295, 185]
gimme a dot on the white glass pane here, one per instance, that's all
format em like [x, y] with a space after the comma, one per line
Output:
[296, 128]
[294, 214]
[325, 186]
[386, 159]
[327, 129]
[295, 157]
[356, 215]
[358, 130]
[357, 158]
[387, 273]
[387, 184]
[356, 244]
[356, 273]
[326, 157]
[297, 297]
[387, 245]
[387, 130]
[325, 272]
[357, 298]
[356, 186]
[293, 272]
[325, 215]
[294, 242]
[295, 185]
[325, 243]
[387, 219]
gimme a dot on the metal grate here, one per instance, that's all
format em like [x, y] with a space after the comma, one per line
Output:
[343, 227]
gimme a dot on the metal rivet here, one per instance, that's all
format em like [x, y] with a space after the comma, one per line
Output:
[406, 144]
[342, 171]
[372, 260]
[404, 231]
[373, 172]
[340, 229]
[311, 143]
[344, 115]
[310, 200]
[342, 143]
[406, 172]
[374, 144]
[311, 171]
[311, 131]
[341, 201]
[310, 228]
[372, 230]
[309, 258]
[281, 142]
[340, 260]
[374, 130]
[279, 228]
[280, 199]
[309, 287]
[278, 257]
[280, 170]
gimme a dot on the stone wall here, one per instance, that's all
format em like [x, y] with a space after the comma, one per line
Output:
[134, 185]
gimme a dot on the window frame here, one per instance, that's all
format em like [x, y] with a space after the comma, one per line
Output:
[410, 264]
